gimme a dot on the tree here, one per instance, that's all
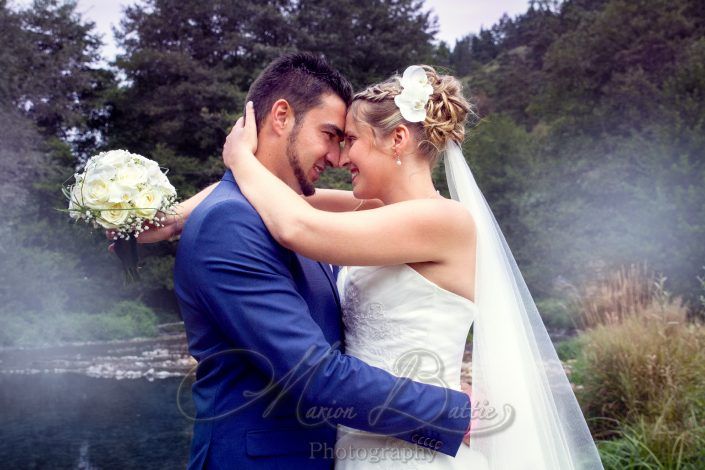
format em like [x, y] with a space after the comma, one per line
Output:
[63, 92]
[46, 264]
[611, 96]
[613, 58]
[368, 40]
[462, 58]
[188, 66]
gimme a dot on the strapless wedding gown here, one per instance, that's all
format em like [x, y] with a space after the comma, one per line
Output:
[399, 321]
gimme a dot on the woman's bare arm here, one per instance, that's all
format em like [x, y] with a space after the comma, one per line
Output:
[174, 221]
[424, 230]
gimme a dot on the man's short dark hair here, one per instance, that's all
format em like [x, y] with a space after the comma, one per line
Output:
[302, 79]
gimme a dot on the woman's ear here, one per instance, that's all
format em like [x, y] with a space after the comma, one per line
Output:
[402, 137]
[281, 116]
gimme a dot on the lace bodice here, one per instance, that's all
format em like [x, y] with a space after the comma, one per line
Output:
[398, 320]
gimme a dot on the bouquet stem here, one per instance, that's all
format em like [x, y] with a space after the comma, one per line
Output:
[126, 250]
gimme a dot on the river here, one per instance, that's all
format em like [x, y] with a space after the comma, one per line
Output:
[100, 405]
[96, 406]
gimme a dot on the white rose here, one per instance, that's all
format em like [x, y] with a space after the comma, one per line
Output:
[143, 161]
[120, 185]
[95, 169]
[113, 158]
[95, 192]
[114, 216]
[155, 175]
[130, 175]
[75, 202]
[119, 193]
[168, 190]
[158, 180]
[147, 202]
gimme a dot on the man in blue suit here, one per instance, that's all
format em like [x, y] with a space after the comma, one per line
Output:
[264, 323]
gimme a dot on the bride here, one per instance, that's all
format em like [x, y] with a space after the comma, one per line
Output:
[421, 269]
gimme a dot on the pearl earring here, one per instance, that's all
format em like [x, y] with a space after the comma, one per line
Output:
[396, 154]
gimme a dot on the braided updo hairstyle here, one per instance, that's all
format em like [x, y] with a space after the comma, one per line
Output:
[446, 112]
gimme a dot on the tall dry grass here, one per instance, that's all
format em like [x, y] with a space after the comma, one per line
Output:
[643, 379]
[640, 372]
[620, 294]
[650, 366]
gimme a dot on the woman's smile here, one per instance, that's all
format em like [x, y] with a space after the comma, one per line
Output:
[354, 172]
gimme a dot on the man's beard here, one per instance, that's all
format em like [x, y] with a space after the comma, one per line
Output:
[307, 187]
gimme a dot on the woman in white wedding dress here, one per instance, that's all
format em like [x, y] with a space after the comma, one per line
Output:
[398, 320]
[421, 269]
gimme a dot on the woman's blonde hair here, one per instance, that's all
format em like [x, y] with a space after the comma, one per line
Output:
[446, 112]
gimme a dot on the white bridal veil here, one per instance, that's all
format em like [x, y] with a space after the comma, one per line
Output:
[515, 369]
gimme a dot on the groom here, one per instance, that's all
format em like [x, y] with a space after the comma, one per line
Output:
[264, 323]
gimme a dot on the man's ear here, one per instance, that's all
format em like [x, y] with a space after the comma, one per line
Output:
[281, 116]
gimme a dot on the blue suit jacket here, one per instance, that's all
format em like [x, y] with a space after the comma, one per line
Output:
[264, 325]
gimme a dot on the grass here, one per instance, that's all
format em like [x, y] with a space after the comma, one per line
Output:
[622, 293]
[570, 349]
[651, 365]
[556, 314]
[639, 371]
[651, 445]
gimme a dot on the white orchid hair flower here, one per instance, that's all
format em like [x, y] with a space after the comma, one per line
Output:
[416, 90]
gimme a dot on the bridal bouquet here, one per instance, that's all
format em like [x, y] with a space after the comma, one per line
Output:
[125, 193]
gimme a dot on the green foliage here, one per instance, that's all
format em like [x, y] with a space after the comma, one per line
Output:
[123, 320]
[184, 75]
[610, 169]
[640, 383]
[570, 349]
[367, 40]
[648, 366]
[556, 314]
[502, 157]
[188, 65]
[648, 445]
[590, 147]
[49, 70]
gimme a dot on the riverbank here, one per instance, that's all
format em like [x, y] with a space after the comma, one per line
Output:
[122, 321]
[161, 356]
[151, 358]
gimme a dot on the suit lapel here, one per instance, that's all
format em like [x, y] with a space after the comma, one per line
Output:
[326, 271]
[333, 284]
[228, 176]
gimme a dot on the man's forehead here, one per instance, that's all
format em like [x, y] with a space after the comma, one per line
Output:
[333, 106]
[330, 114]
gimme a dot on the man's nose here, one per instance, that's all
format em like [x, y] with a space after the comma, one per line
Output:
[343, 160]
[333, 156]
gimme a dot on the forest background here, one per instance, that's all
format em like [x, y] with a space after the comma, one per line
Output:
[590, 148]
